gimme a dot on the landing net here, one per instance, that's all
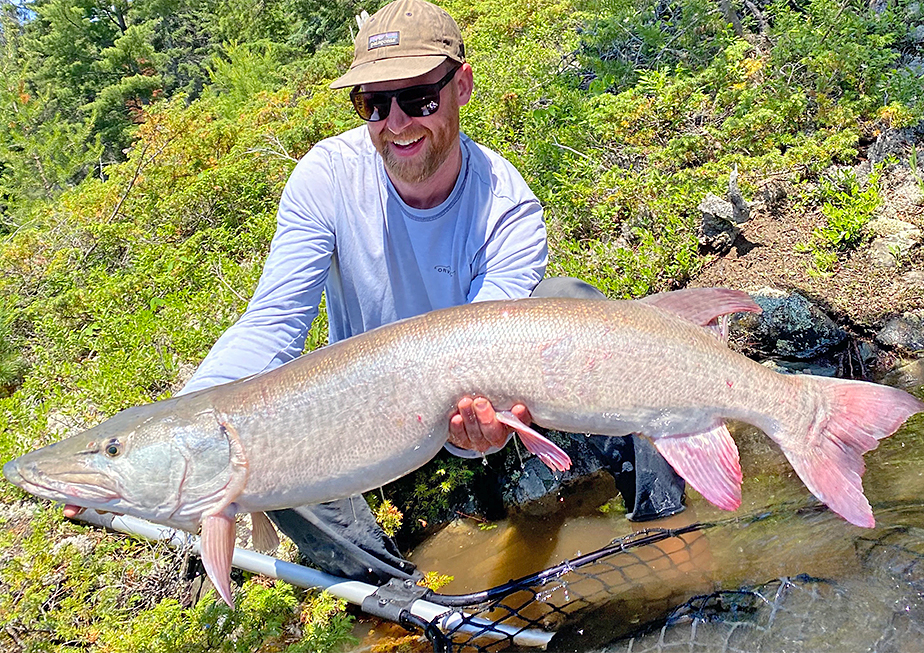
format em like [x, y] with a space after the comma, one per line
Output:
[587, 602]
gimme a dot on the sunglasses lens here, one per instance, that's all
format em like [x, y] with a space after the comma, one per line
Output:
[371, 106]
[419, 102]
[416, 102]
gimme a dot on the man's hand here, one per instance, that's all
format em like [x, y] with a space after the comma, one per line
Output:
[475, 425]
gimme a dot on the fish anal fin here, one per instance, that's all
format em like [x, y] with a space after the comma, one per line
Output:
[708, 461]
[217, 549]
[546, 450]
[703, 306]
[263, 534]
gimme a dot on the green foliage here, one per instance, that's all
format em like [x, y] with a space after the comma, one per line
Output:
[915, 169]
[114, 595]
[119, 269]
[387, 515]
[627, 37]
[847, 209]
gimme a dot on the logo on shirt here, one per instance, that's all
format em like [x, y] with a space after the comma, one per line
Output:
[445, 269]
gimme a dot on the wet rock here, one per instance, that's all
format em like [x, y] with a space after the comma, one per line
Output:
[904, 332]
[533, 487]
[893, 239]
[816, 368]
[906, 376]
[717, 231]
[790, 326]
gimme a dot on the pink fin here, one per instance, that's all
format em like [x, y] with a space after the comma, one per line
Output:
[708, 461]
[547, 451]
[830, 459]
[217, 548]
[262, 532]
[703, 306]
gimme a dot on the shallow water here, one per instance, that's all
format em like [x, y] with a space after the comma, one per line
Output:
[793, 536]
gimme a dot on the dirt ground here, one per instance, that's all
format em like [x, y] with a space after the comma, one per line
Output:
[858, 294]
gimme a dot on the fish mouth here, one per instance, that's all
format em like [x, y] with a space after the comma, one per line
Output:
[80, 488]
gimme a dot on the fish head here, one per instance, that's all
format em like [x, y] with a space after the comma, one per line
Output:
[145, 461]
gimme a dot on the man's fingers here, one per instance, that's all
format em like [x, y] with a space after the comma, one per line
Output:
[522, 413]
[492, 431]
[475, 425]
[72, 511]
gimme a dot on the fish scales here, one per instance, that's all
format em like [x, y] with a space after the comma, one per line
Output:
[387, 395]
[364, 411]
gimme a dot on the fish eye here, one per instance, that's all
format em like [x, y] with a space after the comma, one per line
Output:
[113, 448]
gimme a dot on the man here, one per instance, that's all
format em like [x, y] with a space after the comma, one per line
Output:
[392, 219]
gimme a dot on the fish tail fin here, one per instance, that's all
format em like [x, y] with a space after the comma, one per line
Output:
[856, 415]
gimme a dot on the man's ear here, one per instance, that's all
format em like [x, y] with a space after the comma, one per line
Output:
[465, 83]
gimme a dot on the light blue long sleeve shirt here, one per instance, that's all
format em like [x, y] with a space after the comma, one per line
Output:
[342, 228]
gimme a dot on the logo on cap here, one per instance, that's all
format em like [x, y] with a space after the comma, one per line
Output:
[381, 40]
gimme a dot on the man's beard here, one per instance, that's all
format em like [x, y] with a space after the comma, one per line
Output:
[420, 168]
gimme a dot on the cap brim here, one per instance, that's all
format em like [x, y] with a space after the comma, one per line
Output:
[389, 70]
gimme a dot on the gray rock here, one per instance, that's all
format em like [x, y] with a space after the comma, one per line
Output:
[894, 239]
[914, 277]
[904, 332]
[82, 543]
[906, 376]
[741, 210]
[533, 488]
[790, 326]
[891, 142]
[717, 231]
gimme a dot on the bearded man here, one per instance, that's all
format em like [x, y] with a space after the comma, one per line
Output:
[397, 217]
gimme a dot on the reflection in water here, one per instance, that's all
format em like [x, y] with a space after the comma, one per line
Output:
[850, 574]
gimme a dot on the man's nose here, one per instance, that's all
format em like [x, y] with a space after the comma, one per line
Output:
[397, 120]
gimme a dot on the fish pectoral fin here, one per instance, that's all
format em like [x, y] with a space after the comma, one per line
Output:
[263, 534]
[217, 549]
[547, 451]
[708, 461]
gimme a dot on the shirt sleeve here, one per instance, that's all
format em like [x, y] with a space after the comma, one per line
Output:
[273, 329]
[514, 257]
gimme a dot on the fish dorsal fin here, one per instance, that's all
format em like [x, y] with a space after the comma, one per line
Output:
[703, 306]
[708, 461]
[263, 535]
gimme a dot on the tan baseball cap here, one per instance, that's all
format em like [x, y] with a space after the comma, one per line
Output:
[403, 39]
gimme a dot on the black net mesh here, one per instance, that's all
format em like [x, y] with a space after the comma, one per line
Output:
[634, 596]
[559, 599]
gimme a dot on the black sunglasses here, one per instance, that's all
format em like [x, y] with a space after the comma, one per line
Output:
[415, 101]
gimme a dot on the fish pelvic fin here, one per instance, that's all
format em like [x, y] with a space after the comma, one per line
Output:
[708, 461]
[704, 306]
[263, 535]
[546, 450]
[830, 460]
[217, 549]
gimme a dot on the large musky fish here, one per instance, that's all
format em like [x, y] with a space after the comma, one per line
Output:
[362, 412]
